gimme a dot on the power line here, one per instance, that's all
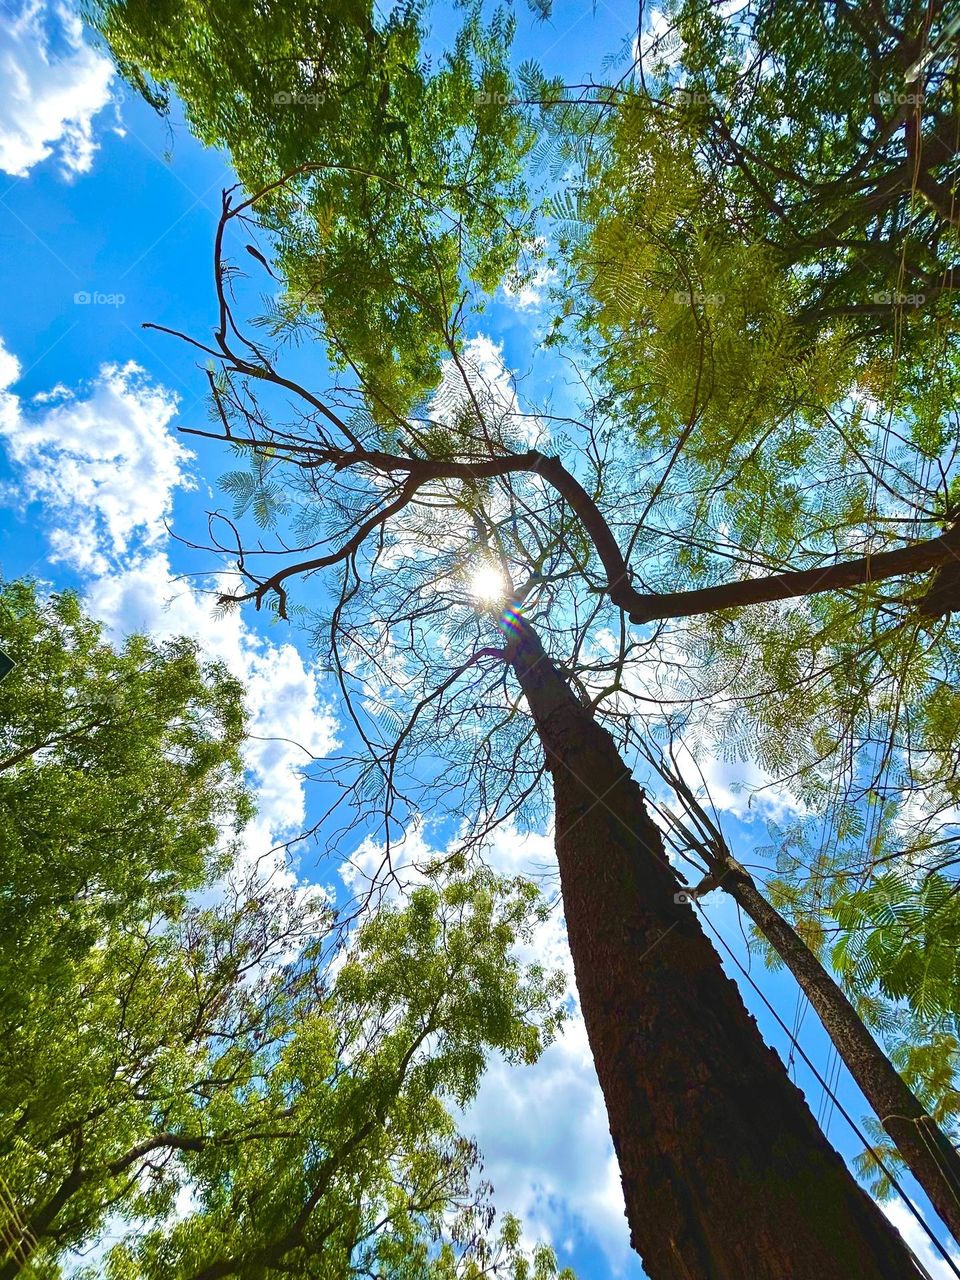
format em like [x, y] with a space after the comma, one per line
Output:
[843, 1111]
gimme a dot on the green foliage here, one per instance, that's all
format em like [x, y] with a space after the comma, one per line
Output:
[929, 1060]
[703, 314]
[756, 242]
[764, 299]
[118, 771]
[323, 1145]
[885, 918]
[221, 1077]
[901, 932]
[405, 170]
[766, 180]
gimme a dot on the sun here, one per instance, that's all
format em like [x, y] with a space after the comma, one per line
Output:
[487, 585]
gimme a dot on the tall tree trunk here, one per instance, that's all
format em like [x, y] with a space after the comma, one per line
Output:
[926, 1150]
[725, 1174]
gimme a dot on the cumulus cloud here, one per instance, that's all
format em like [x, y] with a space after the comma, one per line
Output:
[653, 684]
[290, 720]
[482, 368]
[54, 85]
[660, 40]
[543, 1129]
[105, 464]
[526, 290]
[547, 1150]
[739, 787]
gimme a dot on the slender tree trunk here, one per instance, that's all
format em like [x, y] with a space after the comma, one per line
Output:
[725, 1174]
[928, 1153]
[23, 1239]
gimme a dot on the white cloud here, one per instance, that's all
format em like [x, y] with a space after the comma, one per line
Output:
[526, 292]
[368, 867]
[543, 1130]
[105, 465]
[290, 722]
[919, 1242]
[739, 787]
[650, 683]
[54, 84]
[482, 367]
[660, 41]
[547, 1150]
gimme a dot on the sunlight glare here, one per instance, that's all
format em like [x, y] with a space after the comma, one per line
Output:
[487, 585]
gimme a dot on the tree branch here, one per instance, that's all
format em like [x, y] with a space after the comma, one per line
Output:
[647, 607]
[917, 558]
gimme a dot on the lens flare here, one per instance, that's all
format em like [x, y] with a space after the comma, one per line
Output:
[511, 621]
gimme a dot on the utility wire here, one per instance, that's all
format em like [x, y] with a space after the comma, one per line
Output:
[843, 1111]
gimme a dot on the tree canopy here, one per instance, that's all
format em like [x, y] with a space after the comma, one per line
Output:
[120, 781]
[392, 170]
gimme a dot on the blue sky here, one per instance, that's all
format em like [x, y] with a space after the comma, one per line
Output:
[102, 200]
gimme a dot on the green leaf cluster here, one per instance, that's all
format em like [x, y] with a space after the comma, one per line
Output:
[404, 168]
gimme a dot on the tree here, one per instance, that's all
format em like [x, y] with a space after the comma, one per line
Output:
[723, 1135]
[302, 1114]
[764, 246]
[764, 240]
[689, 1164]
[715, 307]
[727, 404]
[910, 1118]
[119, 770]
[861, 188]
[778, 195]
[211, 1051]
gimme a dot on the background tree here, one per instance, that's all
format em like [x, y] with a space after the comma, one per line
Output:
[392, 171]
[197, 1077]
[916, 1126]
[120, 771]
[781, 200]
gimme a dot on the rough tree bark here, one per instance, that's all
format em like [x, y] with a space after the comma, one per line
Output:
[725, 1174]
